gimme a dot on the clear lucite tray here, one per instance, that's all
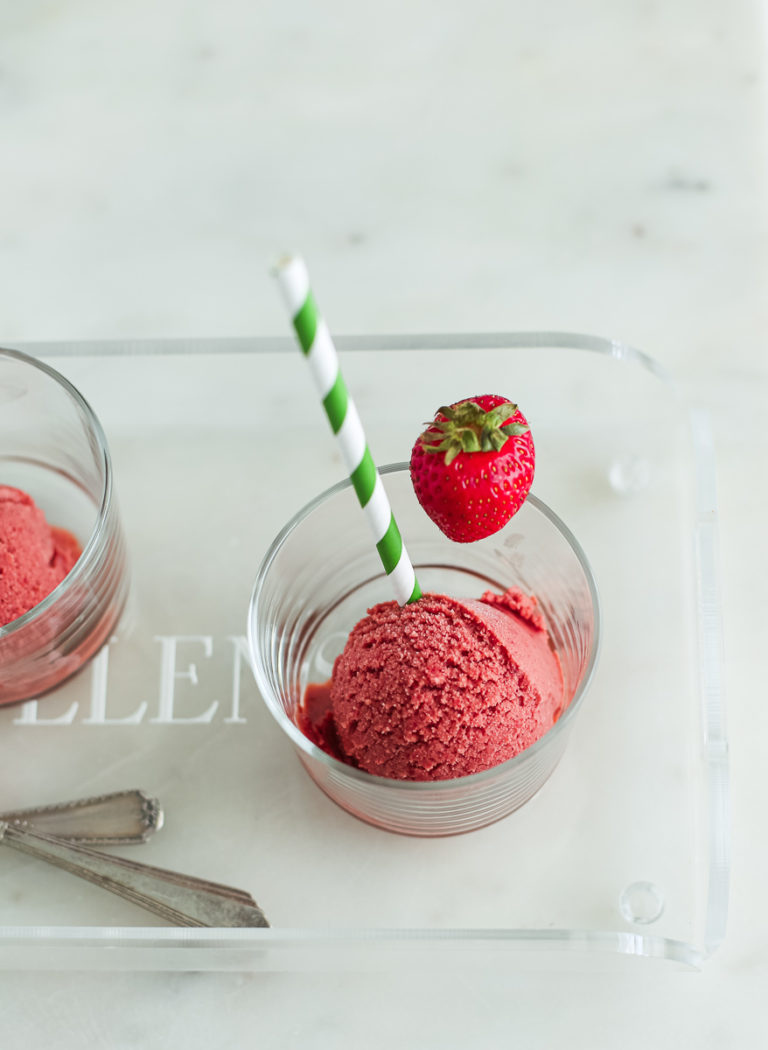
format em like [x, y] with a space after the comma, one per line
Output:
[215, 445]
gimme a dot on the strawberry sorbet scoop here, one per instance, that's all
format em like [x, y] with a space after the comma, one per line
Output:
[34, 556]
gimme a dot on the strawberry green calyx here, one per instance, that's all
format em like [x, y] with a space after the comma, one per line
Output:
[467, 427]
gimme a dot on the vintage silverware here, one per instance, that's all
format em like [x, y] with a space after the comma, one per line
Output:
[180, 899]
[116, 819]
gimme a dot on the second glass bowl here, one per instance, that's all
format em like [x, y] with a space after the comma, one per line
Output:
[52, 447]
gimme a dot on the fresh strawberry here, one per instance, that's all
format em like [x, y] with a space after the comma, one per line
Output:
[473, 466]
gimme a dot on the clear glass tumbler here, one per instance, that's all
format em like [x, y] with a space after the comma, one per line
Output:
[320, 576]
[52, 447]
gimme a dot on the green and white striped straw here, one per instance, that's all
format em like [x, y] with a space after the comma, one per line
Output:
[317, 345]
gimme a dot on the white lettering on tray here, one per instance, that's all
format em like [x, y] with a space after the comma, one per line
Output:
[99, 679]
[242, 656]
[30, 717]
[169, 676]
[179, 683]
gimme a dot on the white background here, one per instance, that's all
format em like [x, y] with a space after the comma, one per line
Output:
[591, 166]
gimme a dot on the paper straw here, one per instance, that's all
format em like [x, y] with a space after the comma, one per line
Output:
[317, 345]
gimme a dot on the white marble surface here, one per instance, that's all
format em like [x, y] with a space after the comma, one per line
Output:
[593, 167]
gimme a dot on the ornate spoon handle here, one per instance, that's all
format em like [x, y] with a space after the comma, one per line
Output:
[117, 819]
[180, 899]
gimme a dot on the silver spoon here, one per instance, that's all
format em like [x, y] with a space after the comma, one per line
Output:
[181, 899]
[58, 833]
[117, 819]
